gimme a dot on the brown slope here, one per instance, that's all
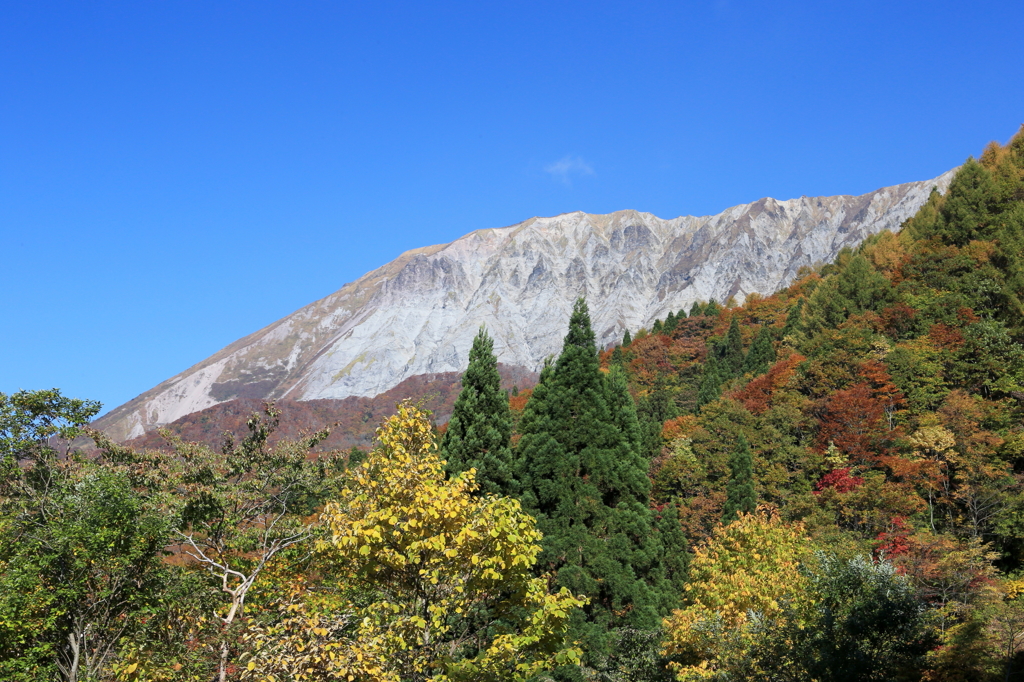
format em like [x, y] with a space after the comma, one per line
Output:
[356, 418]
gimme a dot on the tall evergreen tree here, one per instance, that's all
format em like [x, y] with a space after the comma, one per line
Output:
[657, 327]
[652, 411]
[587, 486]
[681, 315]
[740, 495]
[696, 309]
[792, 324]
[622, 408]
[967, 212]
[481, 425]
[732, 350]
[710, 388]
[670, 323]
[712, 309]
[626, 338]
[761, 355]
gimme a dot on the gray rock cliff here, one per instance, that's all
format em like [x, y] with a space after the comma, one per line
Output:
[419, 313]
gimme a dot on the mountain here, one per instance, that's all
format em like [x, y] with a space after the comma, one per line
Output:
[418, 314]
[355, 419]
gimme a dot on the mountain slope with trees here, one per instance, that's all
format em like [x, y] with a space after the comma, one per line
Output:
[826, 483]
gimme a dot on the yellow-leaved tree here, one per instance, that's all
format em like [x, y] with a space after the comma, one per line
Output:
[442, 579]
[741, 574]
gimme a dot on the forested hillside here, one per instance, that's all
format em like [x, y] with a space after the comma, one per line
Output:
[822, 484]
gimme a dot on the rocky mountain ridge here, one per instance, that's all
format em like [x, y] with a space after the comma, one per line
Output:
[418, 314]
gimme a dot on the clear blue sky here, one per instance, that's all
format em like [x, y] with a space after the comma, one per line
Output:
[176, 175]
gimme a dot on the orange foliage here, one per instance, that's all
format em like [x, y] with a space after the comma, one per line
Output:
[679, 427]
[945, 337]
[853, 420]
[517, 403]
[897, 319]
[757, 395]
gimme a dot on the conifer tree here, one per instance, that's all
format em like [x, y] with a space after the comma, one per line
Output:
[657, 327]
[481, 425]
[732, 350]
[862, 287]
[710, 388]
[712, 309]
[740, 495]
[626, 338]
[761, 355]
[792, 324]
[971, 200]
[696, 309]
[622, 408]
[670, 323]
[587, 486]
[681, 315]
[652, 411]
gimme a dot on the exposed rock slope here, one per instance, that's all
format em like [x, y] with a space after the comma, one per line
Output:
[418, 314]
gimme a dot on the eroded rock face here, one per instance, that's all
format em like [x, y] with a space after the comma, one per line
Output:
[419, 313]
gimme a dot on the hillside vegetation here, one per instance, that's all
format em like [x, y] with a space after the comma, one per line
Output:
[822, 484]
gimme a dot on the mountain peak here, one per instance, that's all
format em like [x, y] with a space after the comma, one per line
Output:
[418, 314]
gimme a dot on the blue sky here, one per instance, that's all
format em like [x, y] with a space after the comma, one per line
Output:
[176, 175]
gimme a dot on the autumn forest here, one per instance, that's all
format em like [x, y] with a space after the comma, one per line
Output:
[825, 483]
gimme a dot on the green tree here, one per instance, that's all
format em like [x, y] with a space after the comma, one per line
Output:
[80, 550]
[652, 411]
[970, 202]
[481, 425]
[858, 620]
[740, 494]
[78, 577]
[626, 338]
[696, 309]
[761, 355]
[36, 432]
[793, 317]
[732, 350]
[710, 388]
[587, 487]
[671, 323]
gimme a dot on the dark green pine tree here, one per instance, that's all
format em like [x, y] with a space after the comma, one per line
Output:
[587, 486]
[622, 408]
[732, 350]
[761, 355]
[739, 491]
[652, 411]
[626, 338]
[481, 425]
[681, 315]
[862, 287]
[710, 388]
[712, 309]
[670, 323]
[657, 327]
[971, 200]
[793, 317]
[696, 309]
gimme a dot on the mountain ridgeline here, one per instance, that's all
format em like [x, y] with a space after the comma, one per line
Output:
[418, 314]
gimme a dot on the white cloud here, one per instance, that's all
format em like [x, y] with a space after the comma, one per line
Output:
[565, 168]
